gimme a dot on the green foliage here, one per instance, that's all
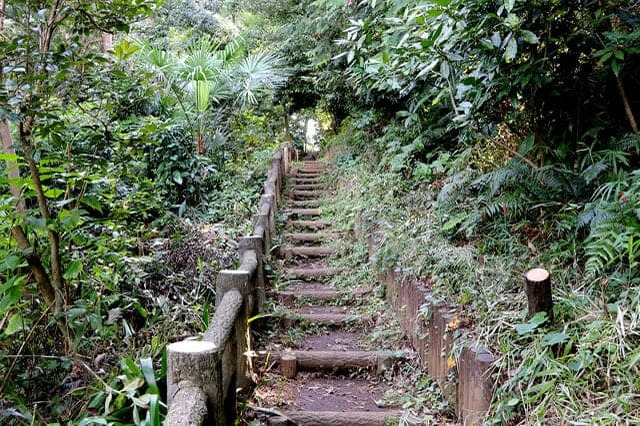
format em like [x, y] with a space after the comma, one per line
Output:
[132, 395]
[612, 245]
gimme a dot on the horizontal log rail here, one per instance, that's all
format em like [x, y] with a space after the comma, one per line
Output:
[203, 375]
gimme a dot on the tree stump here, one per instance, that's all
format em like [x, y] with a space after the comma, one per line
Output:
[538, 283]
[289, 365]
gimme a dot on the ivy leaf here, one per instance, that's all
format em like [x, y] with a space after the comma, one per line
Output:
[511, 50]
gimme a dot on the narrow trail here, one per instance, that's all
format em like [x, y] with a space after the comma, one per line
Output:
[328, 377]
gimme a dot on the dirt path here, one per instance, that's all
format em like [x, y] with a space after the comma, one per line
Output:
[316, 368]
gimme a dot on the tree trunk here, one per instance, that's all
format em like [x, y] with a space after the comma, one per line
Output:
[13, 172]
[627, 105]
[107, 42]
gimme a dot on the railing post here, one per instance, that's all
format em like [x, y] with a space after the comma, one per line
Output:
[262, 221]
[194, 369]
[257, 287]
[268, 206]
[235, 365]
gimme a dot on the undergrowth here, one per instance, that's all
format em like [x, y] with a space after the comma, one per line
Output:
[582, 369]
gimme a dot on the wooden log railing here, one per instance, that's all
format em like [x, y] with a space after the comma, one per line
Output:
[203, 375]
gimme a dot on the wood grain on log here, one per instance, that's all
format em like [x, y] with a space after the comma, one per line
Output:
[305, 181]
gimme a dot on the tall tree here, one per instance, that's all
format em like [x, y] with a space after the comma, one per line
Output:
[44, 68]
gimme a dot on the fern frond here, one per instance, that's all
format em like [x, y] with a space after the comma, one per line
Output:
[628, 143]
[594, 171]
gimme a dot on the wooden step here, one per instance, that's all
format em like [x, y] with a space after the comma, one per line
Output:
[316, 360]
[290, 296]
[306, 194]
[307, 273]
[335, 418]
[310, 237]
[319, 295]
[305, 181]
[304, 212]
[306, 203]
[327, 319]
[308, 186]
[315, 224]
[289, 252]
[301, 173]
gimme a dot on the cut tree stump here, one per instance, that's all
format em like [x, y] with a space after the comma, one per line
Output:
[538, 282]
[334, 418]
[288, 365]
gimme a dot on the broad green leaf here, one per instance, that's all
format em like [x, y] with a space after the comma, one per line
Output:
[53, 192]
[177, 177]
[530, 37]
[92, 202]
[531, 325]
[73, 270]
[15, 324]
[9, 157]
[615, 67]
[527, 145]
[133, 384]
[553, 338]
[508, 5]
[511, 50]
